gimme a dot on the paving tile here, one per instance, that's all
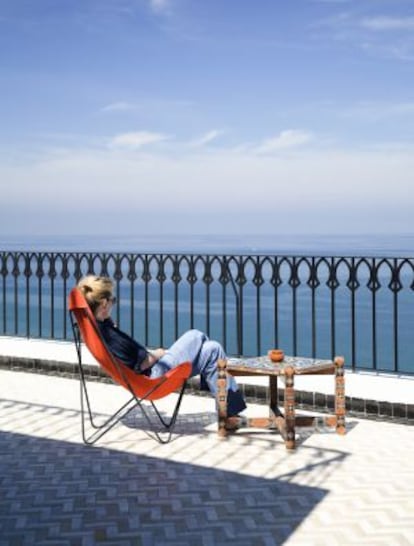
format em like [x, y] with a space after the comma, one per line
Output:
[198, 489]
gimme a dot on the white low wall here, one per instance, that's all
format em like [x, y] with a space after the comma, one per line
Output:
[365, 385]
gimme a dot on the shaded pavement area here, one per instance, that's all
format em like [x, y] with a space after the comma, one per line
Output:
[245, 490]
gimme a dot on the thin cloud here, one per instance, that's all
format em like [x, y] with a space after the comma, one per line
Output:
[285, 140]
[375, 110]
[402, 50]
[384, 23]
[160, 6]
[376, 35]
[206, 138]
[136, 140]
[156, 107]
[118, 107]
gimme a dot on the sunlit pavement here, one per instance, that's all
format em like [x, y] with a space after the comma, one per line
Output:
[246, 490]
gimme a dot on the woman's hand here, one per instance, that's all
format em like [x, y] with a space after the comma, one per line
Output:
[152, 358]
[158, 353]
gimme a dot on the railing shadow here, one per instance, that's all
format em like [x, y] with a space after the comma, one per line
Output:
[58, 492]
[55, 491]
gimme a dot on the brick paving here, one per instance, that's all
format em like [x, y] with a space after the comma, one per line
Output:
[198, 489]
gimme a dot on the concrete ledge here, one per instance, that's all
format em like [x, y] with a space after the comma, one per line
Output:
[312, 392]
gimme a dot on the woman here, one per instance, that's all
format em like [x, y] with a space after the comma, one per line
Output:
[193, 346]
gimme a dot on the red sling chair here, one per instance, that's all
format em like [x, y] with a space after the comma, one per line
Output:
[141, 387]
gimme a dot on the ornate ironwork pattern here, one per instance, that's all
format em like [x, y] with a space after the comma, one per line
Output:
[361, 307]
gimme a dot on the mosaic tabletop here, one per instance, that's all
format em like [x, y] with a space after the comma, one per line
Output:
[263, 365]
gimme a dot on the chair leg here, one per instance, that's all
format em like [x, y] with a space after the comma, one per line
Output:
[168, 425]
[123, 411]
[108, 424]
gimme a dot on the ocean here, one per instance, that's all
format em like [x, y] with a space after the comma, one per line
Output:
[385, 244]
[371, 328]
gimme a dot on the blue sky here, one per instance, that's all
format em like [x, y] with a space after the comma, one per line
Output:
[206, 116]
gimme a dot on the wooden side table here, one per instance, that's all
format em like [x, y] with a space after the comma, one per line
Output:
[285, 421]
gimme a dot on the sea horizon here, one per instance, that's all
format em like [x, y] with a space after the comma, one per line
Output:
[399, 245]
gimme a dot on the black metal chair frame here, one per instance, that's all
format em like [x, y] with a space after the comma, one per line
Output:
[163, 436]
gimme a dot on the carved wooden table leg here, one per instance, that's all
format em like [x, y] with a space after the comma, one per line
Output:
[290, 408]
[222, 397]
[273, 401]
[340, 395]
[276, 417]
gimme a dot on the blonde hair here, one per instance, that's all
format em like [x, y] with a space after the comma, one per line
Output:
[95, 289]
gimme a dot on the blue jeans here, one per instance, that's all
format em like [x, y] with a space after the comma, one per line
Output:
[195, 347]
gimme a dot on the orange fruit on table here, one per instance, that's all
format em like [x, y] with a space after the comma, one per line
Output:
[276, 355]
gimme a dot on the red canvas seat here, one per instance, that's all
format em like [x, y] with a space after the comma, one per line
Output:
[141, 387]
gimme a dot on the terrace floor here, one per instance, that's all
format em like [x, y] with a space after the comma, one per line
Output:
[197, 490]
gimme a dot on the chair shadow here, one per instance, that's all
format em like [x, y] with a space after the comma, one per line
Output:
[203, 423]
[187, 423]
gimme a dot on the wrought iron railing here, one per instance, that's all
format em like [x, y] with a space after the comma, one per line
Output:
[359, 307]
